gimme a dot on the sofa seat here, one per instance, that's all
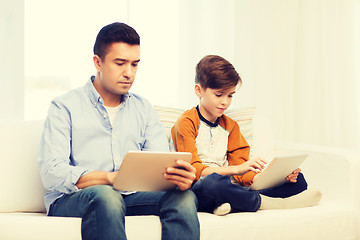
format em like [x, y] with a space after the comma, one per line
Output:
[306, 223]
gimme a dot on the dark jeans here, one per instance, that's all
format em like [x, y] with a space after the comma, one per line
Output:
[215, 189]
[103, 211]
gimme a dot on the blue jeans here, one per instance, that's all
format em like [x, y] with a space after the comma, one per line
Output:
[103, 211]
[215, 189]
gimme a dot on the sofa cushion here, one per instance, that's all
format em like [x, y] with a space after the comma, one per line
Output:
[20, 184]
[244, 117]
[22, 190]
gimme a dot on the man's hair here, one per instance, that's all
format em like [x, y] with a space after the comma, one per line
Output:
[114, 32]
[216, 72]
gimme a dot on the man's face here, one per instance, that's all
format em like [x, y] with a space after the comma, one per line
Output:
[118, 69]
[213, 102]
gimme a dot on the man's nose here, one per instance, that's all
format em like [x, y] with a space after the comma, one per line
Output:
[128, 71]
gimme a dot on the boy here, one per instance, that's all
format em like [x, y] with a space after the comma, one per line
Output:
[221, 154]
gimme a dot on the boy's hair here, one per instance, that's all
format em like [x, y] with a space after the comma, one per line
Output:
[216, 72]
[114, 32]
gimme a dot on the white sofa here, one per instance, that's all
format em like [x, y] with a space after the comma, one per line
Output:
[333, 171]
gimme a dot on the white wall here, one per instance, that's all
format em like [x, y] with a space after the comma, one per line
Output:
[299, 60]
[12, 59]
[59, 39]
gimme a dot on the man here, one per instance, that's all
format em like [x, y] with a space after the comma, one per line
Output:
[86, 135]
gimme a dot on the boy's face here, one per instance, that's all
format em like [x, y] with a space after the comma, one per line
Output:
[213, 102]
[117, 71]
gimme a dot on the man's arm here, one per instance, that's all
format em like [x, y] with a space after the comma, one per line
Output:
[96, 178]
[183, 175]
[156, 140]
[54, 156]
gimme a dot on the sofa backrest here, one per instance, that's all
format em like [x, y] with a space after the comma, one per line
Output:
[243, 116]
[20, 183]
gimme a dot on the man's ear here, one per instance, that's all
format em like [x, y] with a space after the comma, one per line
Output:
[198, 90]
[97, 63]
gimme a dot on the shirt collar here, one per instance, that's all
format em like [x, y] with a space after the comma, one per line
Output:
[205, 120]
[95, 97]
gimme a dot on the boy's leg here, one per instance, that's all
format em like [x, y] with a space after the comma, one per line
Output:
[177, 211]
[101, 208]
[290, 195]
[307, 198]
[287, 189]
[215, 189]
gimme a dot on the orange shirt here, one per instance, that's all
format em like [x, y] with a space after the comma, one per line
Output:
[208, 144]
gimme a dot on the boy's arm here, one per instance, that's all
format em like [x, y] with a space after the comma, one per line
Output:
[183, 134]
[254, 165]
[238, 153]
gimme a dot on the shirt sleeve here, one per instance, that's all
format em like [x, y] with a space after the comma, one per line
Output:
[57, 171]
[238, 153]
[183, 134]
[155, 134]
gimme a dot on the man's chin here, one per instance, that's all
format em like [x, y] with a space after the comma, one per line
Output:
[123, 91]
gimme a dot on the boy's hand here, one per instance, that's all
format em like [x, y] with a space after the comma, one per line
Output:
[292, 177]
[254, 164]
[183, 175]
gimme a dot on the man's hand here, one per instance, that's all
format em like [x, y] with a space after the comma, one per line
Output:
[293, 176]
[183, 175]
[96, 178]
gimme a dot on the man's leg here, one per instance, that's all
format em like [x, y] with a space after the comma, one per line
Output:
[101, 208]
[177, 211]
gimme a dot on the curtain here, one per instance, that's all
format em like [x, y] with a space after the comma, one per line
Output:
[306, 70]
[299, 59]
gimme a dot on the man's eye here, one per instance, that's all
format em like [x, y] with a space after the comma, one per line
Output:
[119, 64]
[134, 64]
[230, 96]
[218, 95]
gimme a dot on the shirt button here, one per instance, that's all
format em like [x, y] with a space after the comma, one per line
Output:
[104, 115]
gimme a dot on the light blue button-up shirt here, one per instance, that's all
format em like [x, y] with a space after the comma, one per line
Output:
[78, 137]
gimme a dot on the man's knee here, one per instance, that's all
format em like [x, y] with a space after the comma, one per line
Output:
[189, 200]
[106, 199]
[180, 200]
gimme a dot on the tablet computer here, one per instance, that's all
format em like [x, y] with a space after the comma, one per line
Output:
[144, 170]
[278, 169]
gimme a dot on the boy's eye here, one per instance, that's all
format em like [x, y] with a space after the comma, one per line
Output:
[134, 64]
[218, 95]
[119, 63]
[230, 96]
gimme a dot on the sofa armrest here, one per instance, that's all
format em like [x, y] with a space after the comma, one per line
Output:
[332, 170]
[335, 171]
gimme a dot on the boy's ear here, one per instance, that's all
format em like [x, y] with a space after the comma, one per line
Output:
[198, 90]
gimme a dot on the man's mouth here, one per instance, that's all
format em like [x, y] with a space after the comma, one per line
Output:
[122, 82]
